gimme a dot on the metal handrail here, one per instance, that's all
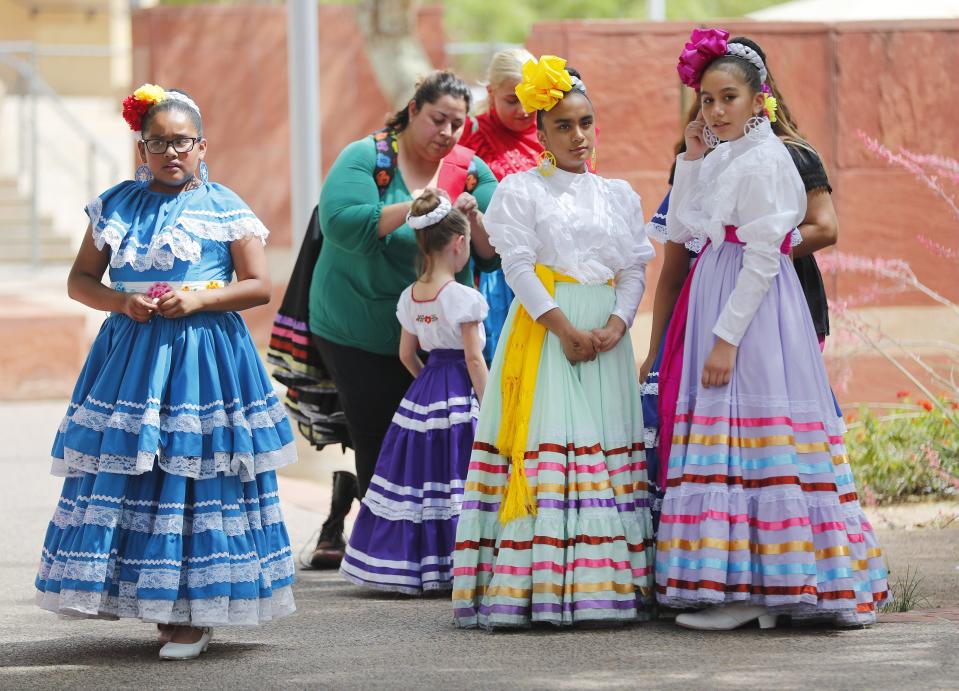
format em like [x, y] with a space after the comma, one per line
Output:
[68, 50]
[28, 71]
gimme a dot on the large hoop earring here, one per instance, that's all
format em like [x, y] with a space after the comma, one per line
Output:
[546, 163]
[203, 172]
[751, 130]
[710, 138]
[143, 174]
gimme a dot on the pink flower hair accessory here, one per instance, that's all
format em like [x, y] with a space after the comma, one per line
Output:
[704, 46]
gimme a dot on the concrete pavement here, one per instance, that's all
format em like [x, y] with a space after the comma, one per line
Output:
[344, 637]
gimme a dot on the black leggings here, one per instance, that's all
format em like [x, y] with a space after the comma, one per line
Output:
[371, 387]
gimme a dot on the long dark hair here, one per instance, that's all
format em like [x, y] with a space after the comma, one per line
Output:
[680, 147]
[430, 89]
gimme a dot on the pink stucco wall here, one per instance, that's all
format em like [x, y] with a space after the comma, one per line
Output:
[892, 80]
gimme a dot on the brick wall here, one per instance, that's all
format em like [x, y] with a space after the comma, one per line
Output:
[233, 61]
[893, 80]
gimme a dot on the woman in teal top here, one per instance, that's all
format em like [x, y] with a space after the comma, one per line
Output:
[369, 254]
[362, 270]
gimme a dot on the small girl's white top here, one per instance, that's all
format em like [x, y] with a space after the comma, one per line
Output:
[579, 224]
[437, 322]
[751, 183]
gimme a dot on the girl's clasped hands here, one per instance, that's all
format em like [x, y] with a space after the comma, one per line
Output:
[172, 304]
[584, 346]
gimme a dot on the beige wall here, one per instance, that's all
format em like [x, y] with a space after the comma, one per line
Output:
[66, 23]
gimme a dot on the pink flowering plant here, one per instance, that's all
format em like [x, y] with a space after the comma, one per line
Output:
[910, 448]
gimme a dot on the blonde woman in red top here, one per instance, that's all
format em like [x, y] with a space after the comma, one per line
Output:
[504, 136]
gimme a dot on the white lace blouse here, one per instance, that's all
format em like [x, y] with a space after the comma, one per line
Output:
[581, 225]
[438, 322]
[751, 183]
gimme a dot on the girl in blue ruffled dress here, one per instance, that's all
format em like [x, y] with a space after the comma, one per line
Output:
[169, 512]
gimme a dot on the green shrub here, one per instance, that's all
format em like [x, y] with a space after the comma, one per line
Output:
[908, 452]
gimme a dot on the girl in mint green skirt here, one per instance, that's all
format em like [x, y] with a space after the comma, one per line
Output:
[555, 525]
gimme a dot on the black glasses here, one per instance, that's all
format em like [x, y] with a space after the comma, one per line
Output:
[181, 145]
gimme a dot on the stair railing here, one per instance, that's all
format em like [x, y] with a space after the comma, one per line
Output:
[36, 87]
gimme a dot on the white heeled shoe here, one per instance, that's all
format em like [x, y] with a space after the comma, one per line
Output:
[187, 651]
[727, 617]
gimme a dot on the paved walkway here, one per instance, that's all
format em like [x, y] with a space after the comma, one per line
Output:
[344, 637]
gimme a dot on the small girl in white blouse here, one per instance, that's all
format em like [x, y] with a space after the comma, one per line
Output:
[404, 534]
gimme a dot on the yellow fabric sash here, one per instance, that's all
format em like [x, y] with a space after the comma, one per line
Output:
[517, 386]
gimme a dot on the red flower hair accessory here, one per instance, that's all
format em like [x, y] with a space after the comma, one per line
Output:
[704, 46]
[136, 105]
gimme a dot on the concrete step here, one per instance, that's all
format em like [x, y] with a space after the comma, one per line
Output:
[10, 196]
[55, 241]
[10, 223]
[22, 232]
[55, 250]
[26, 240]
[14, 215]
[17, 235]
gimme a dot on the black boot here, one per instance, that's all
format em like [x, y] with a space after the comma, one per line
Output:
[331, 545]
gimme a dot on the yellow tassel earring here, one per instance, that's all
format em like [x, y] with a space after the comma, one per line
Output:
[592, 160]
[546, 163]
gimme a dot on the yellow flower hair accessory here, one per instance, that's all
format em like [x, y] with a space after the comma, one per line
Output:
[151, 93]
[770, 105]
[544, 83]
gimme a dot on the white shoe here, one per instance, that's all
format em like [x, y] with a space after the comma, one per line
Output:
[727, 617]
[187, 651]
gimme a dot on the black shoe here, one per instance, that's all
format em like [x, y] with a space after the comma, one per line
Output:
[331, 545]
[328, 554]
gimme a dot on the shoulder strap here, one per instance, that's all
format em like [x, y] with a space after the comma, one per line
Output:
[458, 172]
[472, 177]
[386, 152]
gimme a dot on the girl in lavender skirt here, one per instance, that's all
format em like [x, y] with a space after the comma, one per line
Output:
[760, 516]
